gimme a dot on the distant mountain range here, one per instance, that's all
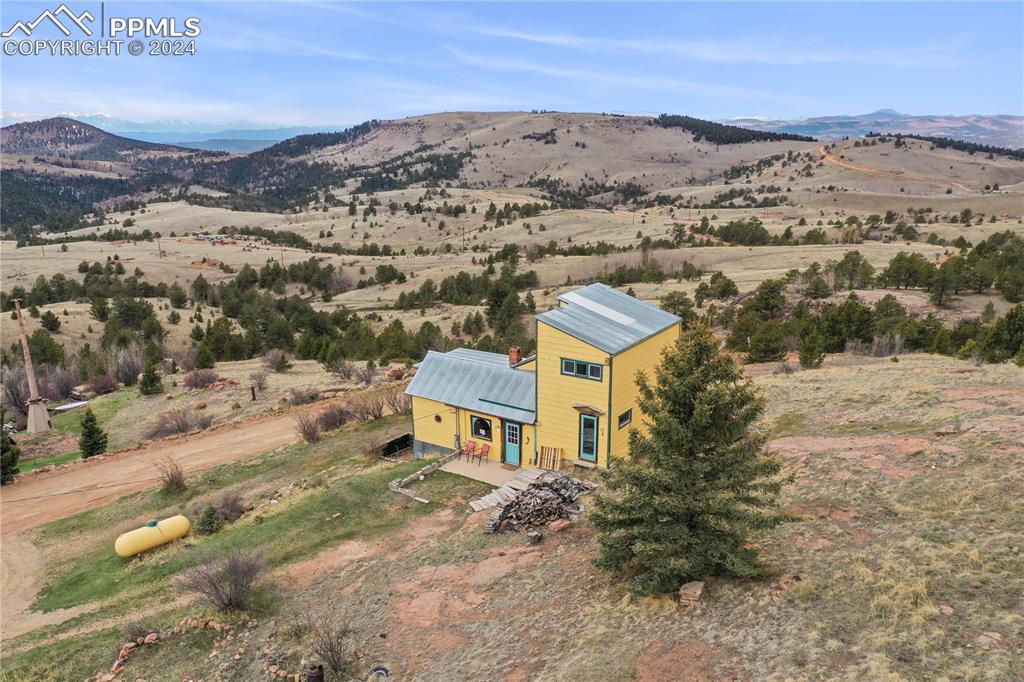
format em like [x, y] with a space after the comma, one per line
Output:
[997, 130]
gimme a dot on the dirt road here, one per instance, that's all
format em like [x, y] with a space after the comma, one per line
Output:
[828, 157]
[41, 498]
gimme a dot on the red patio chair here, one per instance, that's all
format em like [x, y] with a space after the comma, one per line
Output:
[469, 449]
[482, 455]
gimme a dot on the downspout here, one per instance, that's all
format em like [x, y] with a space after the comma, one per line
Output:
[611, 378]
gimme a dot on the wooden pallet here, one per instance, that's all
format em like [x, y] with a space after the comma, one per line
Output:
[550, 458]
[508, 492]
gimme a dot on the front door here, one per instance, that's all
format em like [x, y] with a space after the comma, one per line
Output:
[513, 438]
[588, 437]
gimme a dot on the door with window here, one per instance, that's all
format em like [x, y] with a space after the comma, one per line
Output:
[513, 442]
[588, 437]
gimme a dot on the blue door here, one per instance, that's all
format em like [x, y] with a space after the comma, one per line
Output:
[588, 437]
[513, 439]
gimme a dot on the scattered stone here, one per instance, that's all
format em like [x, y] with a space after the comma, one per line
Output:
[559, 525]
[550, 497]
[151, 637]
[946, 609]
[200, 406]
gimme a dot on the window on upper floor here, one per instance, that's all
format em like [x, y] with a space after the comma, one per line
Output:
[625, 418]
[585, 370]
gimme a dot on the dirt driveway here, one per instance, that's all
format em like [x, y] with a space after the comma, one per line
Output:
[829, 157]
[41, 498]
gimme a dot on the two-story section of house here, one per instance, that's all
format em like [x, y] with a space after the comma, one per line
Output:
[577, 395]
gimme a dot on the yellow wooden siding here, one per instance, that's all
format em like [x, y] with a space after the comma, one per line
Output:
[645, 357]
[426, 426]
[558, 422]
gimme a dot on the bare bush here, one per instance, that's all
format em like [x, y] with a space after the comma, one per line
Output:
[398, 401]
[102, 384]
[887, 344]
[135, 630]
[128, 364]
[56, 383]
[186, 359]
[364, 375]
[178, 421]
[172, 476]
[335, 416]
[277, 360]
[200, 378]
[308, 427]
[303, 396]
[374, 447]
[260, 380]
[226, 585]
[855, 347]
[15, 389]
[229, 504]
[342, 369]
[784, 368]
[331, 634]
[368, 406]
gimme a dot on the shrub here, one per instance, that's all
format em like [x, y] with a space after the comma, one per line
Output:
[364, 375]
[331, 643]
[368, 406]
[397, 400]
[335, 416]
[93, 440]
[128, 364]
[200, 378]
[56, 383]
[172, 476]
[277, 360]
[887, 344]
[767, 343]
[178, 421]
[186, 359]
[15, 389]
[229, 505]
[50, 322]
[812, 351]
[226, 585]
[9, 455]
[150, 384]
[343, 369]
[304, 396]
[210, 521]
[101, 384]
[308, 427]
[784, 368]
[259, 380]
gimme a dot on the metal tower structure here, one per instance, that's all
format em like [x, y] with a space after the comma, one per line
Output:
[38, 416]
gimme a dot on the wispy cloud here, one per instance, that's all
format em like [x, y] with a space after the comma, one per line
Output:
[750, 50]
[645, 81]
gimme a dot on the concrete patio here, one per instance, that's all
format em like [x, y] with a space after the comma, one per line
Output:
[488, 471]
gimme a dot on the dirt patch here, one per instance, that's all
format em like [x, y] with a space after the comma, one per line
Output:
[690, 661]
[305, 573]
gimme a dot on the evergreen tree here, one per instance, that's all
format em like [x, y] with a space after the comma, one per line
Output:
[683, 505]
[210, 522]
[768, 343]
[150, 384]
[817, 288]
[9, 454]
[812, 351]
[50, 322]
[204, 357]
[680, 305]
[93, 440]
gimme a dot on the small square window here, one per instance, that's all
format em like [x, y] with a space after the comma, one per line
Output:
[568, 367]
[625, 418]
[595, 372]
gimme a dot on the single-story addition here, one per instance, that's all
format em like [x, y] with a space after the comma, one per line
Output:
[577, 396]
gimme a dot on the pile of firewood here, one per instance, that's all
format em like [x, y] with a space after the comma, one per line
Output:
[551, 497]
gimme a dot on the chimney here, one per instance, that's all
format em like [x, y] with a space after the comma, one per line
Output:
[515, 355]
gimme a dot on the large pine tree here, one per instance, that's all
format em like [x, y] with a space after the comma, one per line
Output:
[684, 504]
[9, 454]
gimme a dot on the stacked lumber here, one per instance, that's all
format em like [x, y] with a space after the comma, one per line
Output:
[692, 593]
[503, 495]
[552, 496]
[550, 458]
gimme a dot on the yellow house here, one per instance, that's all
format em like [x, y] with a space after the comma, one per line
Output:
[578, 394]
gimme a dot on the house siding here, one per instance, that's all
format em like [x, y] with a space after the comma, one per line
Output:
[643, 357]
[558, 422]
[465, 419]
[432, 436]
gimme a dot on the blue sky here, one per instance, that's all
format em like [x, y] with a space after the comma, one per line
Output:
[313, 63]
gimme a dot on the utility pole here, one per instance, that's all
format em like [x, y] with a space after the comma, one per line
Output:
[38, 417]
[159, 251]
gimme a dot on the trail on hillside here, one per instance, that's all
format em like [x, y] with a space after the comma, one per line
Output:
[36, 499]
[828, 157]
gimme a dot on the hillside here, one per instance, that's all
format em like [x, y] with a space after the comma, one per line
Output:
[68, 138]
[998, 131]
